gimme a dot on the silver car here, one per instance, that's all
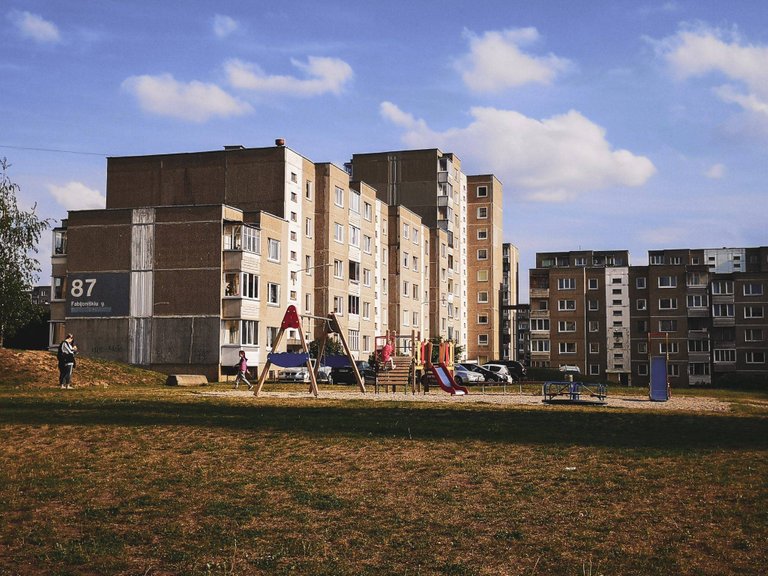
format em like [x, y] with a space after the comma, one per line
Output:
[463, 376]
[301, 374]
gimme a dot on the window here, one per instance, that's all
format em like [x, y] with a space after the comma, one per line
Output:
[354, 201]
[249, 333]
[698, 368]
[753, 289]
[294, 217]
[593, 284]
[308, 187]
[669, 348]
[482, 234]
[354, 236]
[338, 232]
[656, 259]
[539, 324]
[272, 332]
[724, 356]
[722, 310]
[367, 244]
[367, 211]
[308, 227]
[59, 287]
[642, 304]
[566, 283]
[667, 325]
[338, 269]
[697, 301]
[273, 293]
[250, 283]
[482, 212]
[366, 277]
[722, 287]
[482, 275]
[674, 260]
[366, 310]
[482, 191]
[294, 177]
[698, 345]
[642, 347]
[482, 297]
[753, 311]
[642, 370]
[354, 272]
[338, 305]
[405, 259]
[59, 242]
[415, 261]
[594, 326]
[339, 197]
[754, 357]
[694, 279]
[668, 304]
[667, 281]
[482, 318]
[308, 265]
[294, 256]
[307, 302]
[482, 254]
[566, 305]
[567, 347]
[566, 326]
[273, 250]
[539, 345]
[673, 369]
[353, 304]
[753, 335]
[406, 231]
[640, 283]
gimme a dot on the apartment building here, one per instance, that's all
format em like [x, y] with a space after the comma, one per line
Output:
[485, 260]
[579, 312]
[198, 255]
[702, 309]
[514, 328]
[463, 215]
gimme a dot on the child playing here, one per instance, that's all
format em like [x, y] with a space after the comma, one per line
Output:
[242, 371]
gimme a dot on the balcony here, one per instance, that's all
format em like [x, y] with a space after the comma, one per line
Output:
[539, 293]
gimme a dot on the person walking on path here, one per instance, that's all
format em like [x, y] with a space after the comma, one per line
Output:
[242, 371]
[66, 357]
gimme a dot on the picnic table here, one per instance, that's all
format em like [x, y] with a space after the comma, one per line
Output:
[573, 392]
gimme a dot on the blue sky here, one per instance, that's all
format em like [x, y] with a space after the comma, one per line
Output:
[612, 125]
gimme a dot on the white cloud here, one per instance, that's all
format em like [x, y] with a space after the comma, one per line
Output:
[196, 101]
[35, 27]
[223, 25]
[715, 172]
[323, 75]
[496, 62]
[706, 51]
[550, 160]
[77, 196]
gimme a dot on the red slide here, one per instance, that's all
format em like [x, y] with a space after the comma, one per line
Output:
[446, 381]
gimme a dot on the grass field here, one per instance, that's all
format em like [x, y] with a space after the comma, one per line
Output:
[151, 480]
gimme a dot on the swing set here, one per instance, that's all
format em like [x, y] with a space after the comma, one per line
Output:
[291, 320]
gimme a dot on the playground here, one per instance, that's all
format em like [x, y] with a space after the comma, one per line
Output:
[125, 475]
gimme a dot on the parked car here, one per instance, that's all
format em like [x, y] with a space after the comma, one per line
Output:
[345, 374]
[464, 376]
[515, 368]
[500, 370]
[569, 369]
[488, 375]
[301, 374]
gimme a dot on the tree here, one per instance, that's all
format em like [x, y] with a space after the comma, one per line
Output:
[19, 234]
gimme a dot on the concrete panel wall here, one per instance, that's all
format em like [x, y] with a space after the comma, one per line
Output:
[105, 338]
[183, 341]
[180, 292]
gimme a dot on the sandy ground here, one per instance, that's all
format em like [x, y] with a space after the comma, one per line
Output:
[643, 403]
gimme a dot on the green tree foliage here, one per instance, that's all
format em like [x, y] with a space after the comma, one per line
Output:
[19, 234]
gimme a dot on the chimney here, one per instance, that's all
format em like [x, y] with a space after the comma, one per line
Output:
[280, 142]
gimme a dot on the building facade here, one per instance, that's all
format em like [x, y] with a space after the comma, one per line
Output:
[197, 256]
[702, 309]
